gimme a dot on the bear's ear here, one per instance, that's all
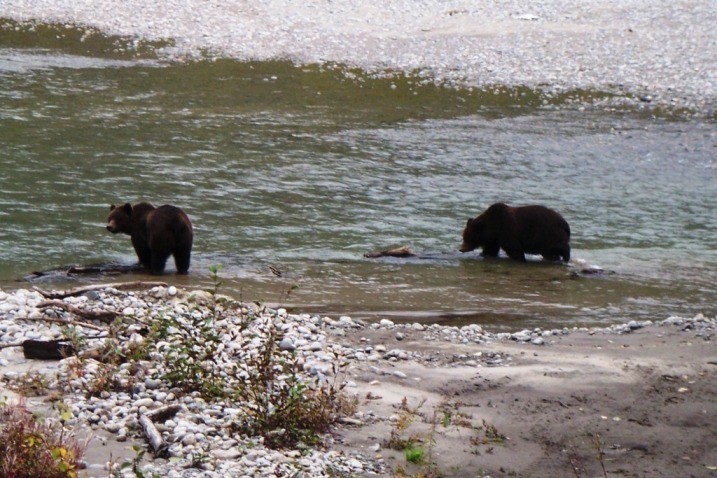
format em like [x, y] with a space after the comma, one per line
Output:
[112, 207]
[469, 222]
[127, 208]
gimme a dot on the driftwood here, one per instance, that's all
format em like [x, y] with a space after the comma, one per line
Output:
[7, 346]
[62, 321]
[106, 316]
[81, 290]
[156, 442]
[397, 252]
[163, 414]
[101, 269]
[146, 420]
[47, 349]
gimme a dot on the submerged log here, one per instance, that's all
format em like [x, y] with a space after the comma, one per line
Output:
[397, 252]
[47, 349]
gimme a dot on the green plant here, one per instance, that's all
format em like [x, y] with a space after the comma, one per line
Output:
[77, 340]
[32, 447]
[490, 435]
[282, 407]
[133, 465]
[414, 454]
[29, 384]
[396, 441]
[192, 365]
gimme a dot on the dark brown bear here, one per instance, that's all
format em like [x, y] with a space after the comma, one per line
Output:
[156, 234]
[519, 231]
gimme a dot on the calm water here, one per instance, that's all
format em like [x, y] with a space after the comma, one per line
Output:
[305, 170]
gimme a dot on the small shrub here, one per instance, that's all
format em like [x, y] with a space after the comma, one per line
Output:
[414, 454]
[33, 448]
[281, 406]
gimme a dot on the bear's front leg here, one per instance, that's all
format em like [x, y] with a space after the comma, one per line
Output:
[490, 250]
[144, 255]
[159, 260]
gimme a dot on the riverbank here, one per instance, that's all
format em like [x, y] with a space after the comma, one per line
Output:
[635, 399]
[651, 54]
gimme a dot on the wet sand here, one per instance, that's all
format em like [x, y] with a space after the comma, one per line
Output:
[635, 404]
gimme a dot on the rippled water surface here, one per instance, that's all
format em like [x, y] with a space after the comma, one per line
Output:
[305, 170]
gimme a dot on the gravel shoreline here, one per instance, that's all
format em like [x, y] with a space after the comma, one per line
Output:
[201, 427]
[657, 53]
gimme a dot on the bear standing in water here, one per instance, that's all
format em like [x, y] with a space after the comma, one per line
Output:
[518, 230]
[156, 234]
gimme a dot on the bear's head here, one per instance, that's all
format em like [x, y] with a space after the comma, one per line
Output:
[473, 235]
[120, 219]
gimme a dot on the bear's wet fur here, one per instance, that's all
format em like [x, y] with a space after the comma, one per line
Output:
[156, 232]
[518, 231]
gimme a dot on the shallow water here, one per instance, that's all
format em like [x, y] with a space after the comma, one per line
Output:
[305, 169]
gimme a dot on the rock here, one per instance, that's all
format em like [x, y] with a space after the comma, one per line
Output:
[287, 344]
[226, 454]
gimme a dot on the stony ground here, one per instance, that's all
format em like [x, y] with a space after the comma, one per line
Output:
[659, 53]
[631, 400]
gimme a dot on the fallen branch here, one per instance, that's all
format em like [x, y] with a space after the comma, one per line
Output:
[81, 290]
[62, 321]
[106, 316]
[7, 346]
[156, 442]
[163, 414]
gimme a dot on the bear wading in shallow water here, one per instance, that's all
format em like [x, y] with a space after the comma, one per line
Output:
[518, 231]
[156, 234]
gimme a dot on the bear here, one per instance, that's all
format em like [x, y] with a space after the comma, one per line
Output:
[156, 232]
[518, 230]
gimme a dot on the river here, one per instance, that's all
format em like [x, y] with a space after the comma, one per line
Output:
[290, 174]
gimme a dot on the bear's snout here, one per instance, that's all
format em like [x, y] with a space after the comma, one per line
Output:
[466, 247]
[112, 228]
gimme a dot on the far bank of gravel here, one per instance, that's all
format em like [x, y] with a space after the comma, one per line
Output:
[659, 53]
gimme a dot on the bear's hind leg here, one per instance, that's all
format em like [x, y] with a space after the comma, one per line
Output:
[181, 261]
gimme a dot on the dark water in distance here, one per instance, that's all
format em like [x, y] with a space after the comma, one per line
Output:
[305, 170]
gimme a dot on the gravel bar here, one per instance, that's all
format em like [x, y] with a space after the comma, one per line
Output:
[201, 427]
[663, 53]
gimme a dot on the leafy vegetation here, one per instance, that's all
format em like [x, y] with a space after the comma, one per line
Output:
[33, 447]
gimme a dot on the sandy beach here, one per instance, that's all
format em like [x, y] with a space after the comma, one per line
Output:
[657, 53]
